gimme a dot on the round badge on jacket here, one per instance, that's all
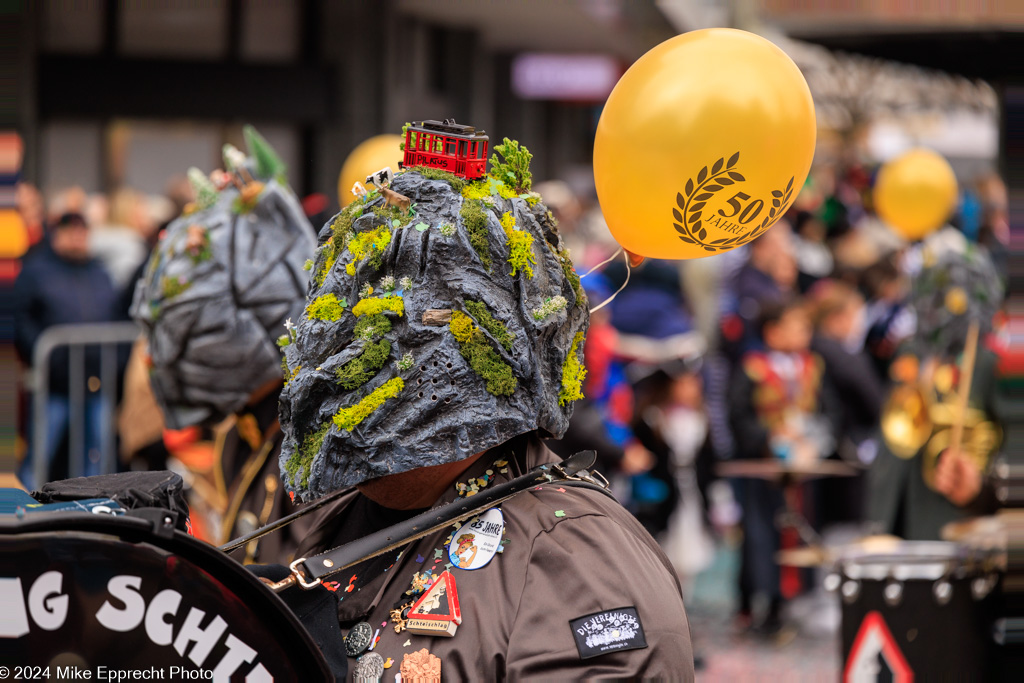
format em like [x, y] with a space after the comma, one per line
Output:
[477, 541]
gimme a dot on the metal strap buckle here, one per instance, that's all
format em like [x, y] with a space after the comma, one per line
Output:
[595, 478]
[296, 577]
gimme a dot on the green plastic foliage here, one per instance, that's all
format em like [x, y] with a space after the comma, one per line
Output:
[268, 164]
[206, 191]
[515, 169]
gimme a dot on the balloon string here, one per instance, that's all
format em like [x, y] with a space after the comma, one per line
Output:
[603, 263]
[610, 299]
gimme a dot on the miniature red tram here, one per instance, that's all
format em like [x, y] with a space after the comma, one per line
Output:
[448, 146]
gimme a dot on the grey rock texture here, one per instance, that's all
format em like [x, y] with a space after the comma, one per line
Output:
[444, 413]
[213, 344]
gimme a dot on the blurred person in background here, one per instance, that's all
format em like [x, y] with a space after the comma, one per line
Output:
[670, 421]
[769, 276]
[601, 420]
[837, 310]
[813, 258]
[60, 283]
[122, 241]
[890, 320]
[781, 407]
[30, 206]
[838, 314]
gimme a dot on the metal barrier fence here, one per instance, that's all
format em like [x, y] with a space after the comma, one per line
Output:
[107, 336]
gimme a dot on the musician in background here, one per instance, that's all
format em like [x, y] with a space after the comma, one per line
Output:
[922, 480]
[215, 301]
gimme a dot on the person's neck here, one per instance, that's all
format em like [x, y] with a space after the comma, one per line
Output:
[418, 488]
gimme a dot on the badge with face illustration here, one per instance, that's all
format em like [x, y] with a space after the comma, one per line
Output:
[477, 541]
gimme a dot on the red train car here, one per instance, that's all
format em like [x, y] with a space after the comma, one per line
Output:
[448, 146]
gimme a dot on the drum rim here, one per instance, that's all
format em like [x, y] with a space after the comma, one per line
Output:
[244, 584]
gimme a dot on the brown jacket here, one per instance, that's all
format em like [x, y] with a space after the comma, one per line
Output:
[570, 553]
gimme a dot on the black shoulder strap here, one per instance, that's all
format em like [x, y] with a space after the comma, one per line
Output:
[573, 471]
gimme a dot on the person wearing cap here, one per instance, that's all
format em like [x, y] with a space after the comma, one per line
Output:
[218, 293]
[60, 283]
[439, 345]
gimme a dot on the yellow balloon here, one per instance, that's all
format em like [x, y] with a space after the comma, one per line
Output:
[703, 144]
[370, 156]
[915, 193]
[13, 235]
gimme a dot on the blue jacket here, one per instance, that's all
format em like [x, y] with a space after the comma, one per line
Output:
[51, 291]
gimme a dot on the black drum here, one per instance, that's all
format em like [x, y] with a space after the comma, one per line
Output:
[916, 610]
[102, 594]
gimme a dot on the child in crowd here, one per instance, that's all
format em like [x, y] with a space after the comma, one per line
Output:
[780, 406]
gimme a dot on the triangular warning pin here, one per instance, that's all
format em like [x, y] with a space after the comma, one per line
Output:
[437, 612]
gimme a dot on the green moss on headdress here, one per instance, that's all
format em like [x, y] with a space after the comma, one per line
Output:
[497, 328]
[326, 307]
[349, 417]
[393, 304]
[475, 219]
[171, 287]
[550, 307]
[370, 327]
[393, 216]
[455, 181]
[520, 246]
[370, 244]
[573, 373]
[484, 360]
[570, 274]
[302, 458]
[363, 367]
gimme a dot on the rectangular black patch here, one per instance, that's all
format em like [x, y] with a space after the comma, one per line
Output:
[608, 631]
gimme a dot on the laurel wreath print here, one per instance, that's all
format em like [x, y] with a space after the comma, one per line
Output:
[688, 216]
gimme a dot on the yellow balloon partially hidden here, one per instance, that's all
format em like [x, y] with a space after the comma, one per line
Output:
[368, 157]
[915, 193]
[703, 144]
[13, 235]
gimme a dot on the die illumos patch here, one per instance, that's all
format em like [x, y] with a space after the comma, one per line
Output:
[608, 631]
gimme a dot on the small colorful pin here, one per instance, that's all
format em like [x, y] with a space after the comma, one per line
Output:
[420, 558]
[407, 643]
[438, 553]
[559, 513]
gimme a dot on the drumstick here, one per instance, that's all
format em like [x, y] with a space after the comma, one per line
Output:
[964, 390]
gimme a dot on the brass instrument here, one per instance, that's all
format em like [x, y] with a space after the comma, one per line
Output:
[920, 415]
